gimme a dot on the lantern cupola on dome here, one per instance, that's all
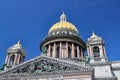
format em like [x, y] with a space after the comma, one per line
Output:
[63, 17]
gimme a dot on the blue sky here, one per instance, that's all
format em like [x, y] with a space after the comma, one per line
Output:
[30, 20]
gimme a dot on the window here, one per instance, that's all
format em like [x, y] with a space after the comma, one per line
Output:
[96, 51]
[12, 58]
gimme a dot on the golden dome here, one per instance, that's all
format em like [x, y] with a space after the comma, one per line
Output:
[18, 45]
[63, 24]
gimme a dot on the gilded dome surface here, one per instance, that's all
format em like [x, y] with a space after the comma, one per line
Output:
[63, 24]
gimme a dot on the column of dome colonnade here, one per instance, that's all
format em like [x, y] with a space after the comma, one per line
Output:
[64, 50]
[63, 41]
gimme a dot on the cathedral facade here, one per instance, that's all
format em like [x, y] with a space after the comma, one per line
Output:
[62, 58]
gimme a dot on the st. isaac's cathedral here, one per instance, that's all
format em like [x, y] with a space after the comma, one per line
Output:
[62, 58]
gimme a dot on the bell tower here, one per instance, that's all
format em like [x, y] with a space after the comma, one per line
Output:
[15, 55]
[96, 49]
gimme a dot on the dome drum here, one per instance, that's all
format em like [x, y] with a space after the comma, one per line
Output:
[64, 47]
[65, 50]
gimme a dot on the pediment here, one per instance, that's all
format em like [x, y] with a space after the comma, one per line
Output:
[46, 65]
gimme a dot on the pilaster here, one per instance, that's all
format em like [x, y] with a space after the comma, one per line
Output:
[18, 59]
[101, 50]
[6, 60]
[104, 51]
[15, 61]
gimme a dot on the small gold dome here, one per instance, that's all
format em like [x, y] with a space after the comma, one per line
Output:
[63, 24]
[18, 45]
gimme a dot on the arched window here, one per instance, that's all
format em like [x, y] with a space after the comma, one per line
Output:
[58, 52]
[69, 52]
[96, 51]
[12, 58]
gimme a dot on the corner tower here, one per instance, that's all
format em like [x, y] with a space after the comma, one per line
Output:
[96, 49]
[15, 55]
[63, 41]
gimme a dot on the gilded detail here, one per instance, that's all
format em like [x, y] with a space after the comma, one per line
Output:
[63, 24]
